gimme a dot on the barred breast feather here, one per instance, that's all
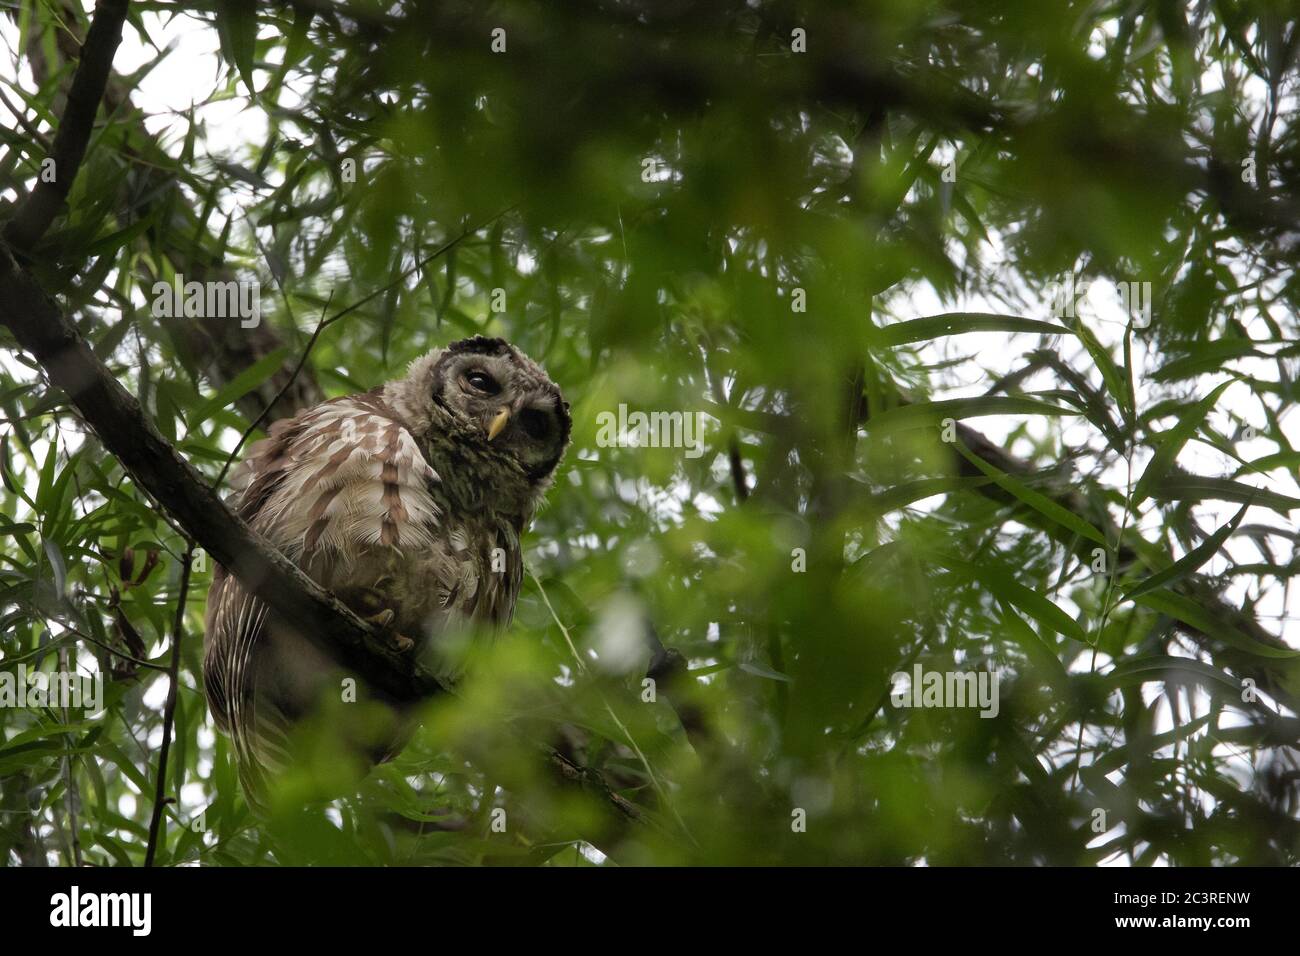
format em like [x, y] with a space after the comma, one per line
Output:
[344, 491]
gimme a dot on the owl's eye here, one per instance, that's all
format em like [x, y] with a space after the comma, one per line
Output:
[483, 382]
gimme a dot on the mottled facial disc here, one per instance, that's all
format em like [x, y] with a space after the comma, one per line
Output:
[508, 397]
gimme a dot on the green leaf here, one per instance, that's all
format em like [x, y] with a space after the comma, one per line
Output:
[1173, 443]
[1002, 584]
[1162, 667]
[1115, 379]
[1281, 459]
[296, 46]
[237, 387]
[237, 31]
[1190, 561]
[7, 473]
[900, 496]
[45, 484]
[1207, 359]
[1202, 488]
[116, 240]
[57, 566]
[1039, 502]
[758, 670]
[921, 414]
[1036, 648]
[1193, 615]
[957, 323]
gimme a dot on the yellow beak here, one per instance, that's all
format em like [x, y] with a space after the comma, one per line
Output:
[498, 423]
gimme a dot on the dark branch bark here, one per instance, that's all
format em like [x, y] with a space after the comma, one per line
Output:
[668, 669]
[45, 202]
[1263, 672]
[571, 773]
[738, 478]
[211, 346]
[122, 426]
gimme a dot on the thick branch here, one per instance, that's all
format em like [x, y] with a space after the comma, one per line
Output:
[36, 213]
[122, 426]
[212, 346]
[154, 464]
[1075, 502]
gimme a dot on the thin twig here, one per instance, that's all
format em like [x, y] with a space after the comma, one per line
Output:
[324, 323]
[737, 471]
[115, 651]
[631, 741]
[169, 710]
[73, 794]
[402, 277]
[302, 360]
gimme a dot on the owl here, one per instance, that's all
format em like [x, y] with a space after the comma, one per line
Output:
[408, 502]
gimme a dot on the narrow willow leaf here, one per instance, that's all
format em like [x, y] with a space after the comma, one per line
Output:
[921, 414]
[1206, 360]
[1002, 584]
[1193, 615]
[57, 566]
[1118, 757]
[45, 485]
[1191, 561]
[7, 473]
[1173, 443]
[900, 496]
[1201, 488]
[1115, 379]
[237, 32]
[1036, 500]
[1281, 459]
[1035, 647]
[1162, 667]
[758, 670]
[237, 387]
[957, 323]
[116, 240]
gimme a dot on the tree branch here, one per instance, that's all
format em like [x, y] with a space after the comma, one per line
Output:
[208, 345]
[44, 202]
[116, 416]
[994, 454]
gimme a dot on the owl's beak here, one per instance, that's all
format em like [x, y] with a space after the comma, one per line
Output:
[498, 423]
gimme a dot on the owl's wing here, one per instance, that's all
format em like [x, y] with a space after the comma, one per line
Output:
[338, 478]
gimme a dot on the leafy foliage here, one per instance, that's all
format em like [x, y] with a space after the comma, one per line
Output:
[842, 254]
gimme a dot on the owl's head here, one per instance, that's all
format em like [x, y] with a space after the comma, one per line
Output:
[485, 403]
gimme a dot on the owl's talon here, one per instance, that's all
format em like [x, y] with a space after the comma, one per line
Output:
[383, 619]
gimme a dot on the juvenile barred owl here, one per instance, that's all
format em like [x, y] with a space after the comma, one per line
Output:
[408, 502]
